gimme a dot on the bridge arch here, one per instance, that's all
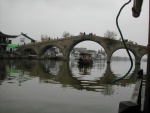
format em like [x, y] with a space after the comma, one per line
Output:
[29, 51]
[130, 50]
[46, 47]
[122, 48]
[144, 53]
[70, 48]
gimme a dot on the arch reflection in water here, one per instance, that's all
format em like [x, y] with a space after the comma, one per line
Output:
[94, 72]
[67, 73]
[48, 91]
[51, 66]
[13, 73]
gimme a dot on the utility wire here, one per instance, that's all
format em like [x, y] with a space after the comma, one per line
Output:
[123, 43]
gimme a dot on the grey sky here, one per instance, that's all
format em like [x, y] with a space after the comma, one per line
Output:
[53, 17]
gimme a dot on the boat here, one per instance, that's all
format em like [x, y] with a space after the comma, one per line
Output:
[85, 59]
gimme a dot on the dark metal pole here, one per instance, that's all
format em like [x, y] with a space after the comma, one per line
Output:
[147, 90]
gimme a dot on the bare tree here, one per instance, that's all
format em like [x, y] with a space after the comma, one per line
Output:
[66, 34]
[44, 37]
[110, 34]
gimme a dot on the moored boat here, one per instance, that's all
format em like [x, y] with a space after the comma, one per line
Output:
[85, 59]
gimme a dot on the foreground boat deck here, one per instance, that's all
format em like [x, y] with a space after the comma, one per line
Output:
[136, 103]
[143, 95]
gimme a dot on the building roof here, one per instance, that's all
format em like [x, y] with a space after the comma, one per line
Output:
[27, 37]
[2, 35]
[85, 54]
[91, 51]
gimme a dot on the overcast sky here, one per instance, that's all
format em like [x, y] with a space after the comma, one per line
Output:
[53, 17]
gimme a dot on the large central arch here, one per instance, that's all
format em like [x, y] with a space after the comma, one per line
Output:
[82, 40]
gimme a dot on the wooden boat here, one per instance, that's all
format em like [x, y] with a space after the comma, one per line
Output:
[85, 59]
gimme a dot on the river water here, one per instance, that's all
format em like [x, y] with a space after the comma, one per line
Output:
[48, 86]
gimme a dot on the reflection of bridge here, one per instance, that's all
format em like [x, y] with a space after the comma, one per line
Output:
[37, 68]
[67, 44]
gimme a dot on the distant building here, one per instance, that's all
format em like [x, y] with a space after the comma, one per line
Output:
[21, 39]
[5, 40]
[76, 52]
[93, 53]
[80, 50]
[54, 52]
[101, 54]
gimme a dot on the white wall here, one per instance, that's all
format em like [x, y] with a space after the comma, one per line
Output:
[20, 40]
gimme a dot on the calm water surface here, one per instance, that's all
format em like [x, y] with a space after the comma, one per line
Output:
[48, 86]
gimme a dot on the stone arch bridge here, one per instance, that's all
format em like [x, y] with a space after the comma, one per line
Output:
[67, 44]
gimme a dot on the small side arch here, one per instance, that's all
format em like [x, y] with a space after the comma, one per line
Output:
[46, 47]
[130, 50]
[29, 51]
